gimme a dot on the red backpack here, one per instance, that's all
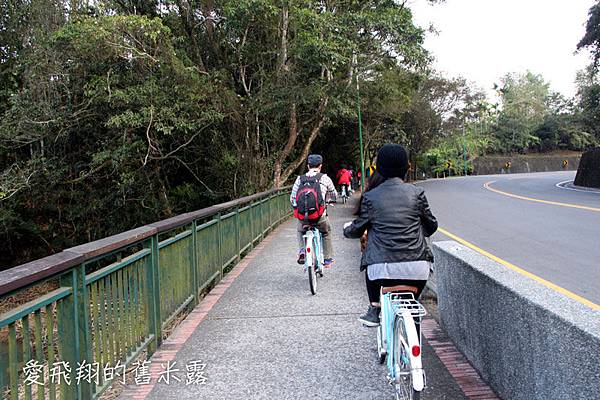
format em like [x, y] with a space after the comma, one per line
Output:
[310, 204]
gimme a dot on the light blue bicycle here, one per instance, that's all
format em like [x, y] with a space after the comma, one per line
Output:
[399, 340]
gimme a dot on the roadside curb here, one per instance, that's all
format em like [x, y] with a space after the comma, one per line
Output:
[569, 185]
[460, 369]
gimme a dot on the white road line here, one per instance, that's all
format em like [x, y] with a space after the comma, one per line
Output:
[559, 185]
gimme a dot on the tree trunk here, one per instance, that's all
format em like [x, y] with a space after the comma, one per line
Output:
[283, 47]
[292, 136]
[309, 141]
[208, 9]
[187, 20]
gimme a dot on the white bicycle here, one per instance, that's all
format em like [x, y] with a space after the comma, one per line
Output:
[313, 264]
[344, 195]
[399, 340]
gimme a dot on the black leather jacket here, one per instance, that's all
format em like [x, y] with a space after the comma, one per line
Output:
[398, 219]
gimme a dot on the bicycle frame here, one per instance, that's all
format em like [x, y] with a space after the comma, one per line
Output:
[402, 308]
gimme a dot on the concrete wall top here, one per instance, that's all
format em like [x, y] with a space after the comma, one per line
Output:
[570, 310]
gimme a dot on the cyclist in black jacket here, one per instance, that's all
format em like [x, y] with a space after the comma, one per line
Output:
[398, 219]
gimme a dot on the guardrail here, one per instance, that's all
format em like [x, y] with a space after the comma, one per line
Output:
[98, 306]
[526, 340]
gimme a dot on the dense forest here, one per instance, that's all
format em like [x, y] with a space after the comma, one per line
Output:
[118, 113]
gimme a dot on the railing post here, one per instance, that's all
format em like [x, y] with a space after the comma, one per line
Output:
[278, 212]
[270, 212]
[73, 323]
[153, 296]
[220, 245]
[252, 223]
[237, 234]
[194, 258]
[262, 219]
[280, 206]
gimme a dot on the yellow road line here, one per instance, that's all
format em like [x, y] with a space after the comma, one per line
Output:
[488, 186]
[521, 271]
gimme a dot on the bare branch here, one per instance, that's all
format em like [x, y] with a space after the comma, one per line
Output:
[6, 189]
[194, 175]
[180, 147]
[150, 146]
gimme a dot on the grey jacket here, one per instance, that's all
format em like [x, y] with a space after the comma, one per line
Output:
[398, 219]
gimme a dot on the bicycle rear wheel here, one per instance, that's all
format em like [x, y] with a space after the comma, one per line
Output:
[312, 273]
[402, 364]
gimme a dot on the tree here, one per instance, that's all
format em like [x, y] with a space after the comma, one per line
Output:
[591, 38]
[524, 101]
[341, 39]
[438, 108]
[588, 99]
[588, 88]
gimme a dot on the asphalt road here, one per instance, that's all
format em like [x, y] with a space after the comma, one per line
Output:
[557, 242]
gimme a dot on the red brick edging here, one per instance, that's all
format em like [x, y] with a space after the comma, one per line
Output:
[171, 346]
[463, 373]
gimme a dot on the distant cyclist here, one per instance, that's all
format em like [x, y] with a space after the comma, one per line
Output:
[344, 177]
[352, 180]
[305, 184]
[398, 219]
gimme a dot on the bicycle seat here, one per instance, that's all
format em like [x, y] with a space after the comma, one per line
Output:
[400, 288]
[306, 227]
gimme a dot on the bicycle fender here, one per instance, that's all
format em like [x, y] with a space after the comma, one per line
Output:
[308, 248]
[415, 362]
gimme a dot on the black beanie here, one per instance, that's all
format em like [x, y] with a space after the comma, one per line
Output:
[392, 161]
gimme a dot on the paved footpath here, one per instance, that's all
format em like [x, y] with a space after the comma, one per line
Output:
[262, 335]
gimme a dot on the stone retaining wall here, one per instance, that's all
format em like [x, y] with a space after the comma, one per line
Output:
[526, 340]
[520, 164]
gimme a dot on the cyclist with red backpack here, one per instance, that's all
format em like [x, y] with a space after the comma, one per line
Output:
[308, 199]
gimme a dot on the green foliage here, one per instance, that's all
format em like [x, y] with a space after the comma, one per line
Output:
[529, 118]
[588, 88]
[119, 113]
[120, 122]
[591, 39]
[455, 153]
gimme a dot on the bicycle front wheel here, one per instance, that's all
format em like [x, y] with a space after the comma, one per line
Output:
[380, 346]
[402, 364]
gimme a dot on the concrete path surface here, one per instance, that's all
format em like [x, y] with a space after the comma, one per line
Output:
[267, 337]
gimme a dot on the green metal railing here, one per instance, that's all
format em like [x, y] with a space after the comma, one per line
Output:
[100, 305]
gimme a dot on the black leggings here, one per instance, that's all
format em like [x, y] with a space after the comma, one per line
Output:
[374, 287]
